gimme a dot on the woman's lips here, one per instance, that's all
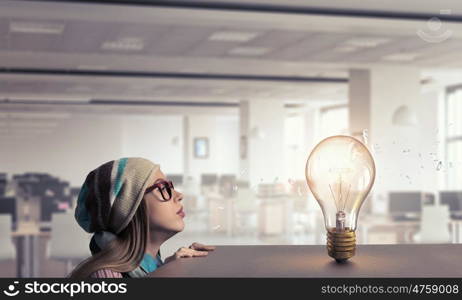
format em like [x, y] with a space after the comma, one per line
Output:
[181, 213]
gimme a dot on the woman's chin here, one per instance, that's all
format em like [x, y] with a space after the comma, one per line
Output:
[174, 228]
[179, 227]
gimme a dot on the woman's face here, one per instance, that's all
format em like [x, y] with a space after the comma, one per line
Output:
[164, 215]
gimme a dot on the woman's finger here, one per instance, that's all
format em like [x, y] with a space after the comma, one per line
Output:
[183, 254]
[188, 252]
[199, 253]
[198, 246]
[192, 252]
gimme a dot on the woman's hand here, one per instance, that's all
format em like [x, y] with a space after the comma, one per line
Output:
[195, 250]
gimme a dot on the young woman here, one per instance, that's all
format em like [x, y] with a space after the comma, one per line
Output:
[131, 209]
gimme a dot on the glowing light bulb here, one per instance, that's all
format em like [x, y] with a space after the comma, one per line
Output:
[340, 172]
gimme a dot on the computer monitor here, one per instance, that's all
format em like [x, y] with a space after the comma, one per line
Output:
[428, 199]
[2, 188]
[209, 179]
[453, 199]
[3, 183]
[53, 188]
[227, 185]
[50, 206]
[8, 207]
[404, 202]
[227, 178]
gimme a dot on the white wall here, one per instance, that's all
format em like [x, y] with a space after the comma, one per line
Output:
[263, 125]
[404, 154]
[158, 138]
[222, 132]
[81, 143]
[406, 157]
[74, 148]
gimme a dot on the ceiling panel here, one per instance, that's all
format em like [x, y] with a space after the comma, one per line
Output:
[311, 45]
[292, 45]
[90, 36]
[179, 40]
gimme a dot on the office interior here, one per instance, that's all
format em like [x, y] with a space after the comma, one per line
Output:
[229, 97]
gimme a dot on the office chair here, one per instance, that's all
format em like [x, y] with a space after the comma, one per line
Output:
[434, 225]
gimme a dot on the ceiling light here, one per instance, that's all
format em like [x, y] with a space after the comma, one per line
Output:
[35, 115]
[91, 67]
[124, 44]
[446, 11]
[232, 36]
[24, 132]
[366, 42]
[345, 49]
[30, 124]
[36, 27]
[79, 89]
[249, 51]
[401, 57]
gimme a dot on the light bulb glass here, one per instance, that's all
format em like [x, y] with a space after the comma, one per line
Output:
[340, 172]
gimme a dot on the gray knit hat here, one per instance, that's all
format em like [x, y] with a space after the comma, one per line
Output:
[112, 192]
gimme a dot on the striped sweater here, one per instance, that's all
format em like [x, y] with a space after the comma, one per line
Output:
[106, 273]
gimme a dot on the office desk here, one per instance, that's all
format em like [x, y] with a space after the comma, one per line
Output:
[26, 240]
[456, 231]
[402, 260]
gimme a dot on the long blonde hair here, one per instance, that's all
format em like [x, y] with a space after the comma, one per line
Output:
[122, 254]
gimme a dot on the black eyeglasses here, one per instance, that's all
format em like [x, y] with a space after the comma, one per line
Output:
[164, 187]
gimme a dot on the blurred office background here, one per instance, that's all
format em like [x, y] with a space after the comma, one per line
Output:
[229, 97]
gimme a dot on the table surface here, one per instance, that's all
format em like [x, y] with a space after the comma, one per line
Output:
[402, 260]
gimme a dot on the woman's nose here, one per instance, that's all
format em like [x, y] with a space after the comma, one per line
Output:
[178, 196]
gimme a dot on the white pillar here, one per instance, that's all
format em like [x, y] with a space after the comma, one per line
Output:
[262, 140]
[186, 149]
[402, 153]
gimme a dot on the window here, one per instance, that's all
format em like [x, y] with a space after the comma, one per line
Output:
[454, 138]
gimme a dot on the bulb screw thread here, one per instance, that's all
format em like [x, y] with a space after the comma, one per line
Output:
[341, 244]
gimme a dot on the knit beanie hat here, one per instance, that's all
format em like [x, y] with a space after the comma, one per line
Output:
[111, 194]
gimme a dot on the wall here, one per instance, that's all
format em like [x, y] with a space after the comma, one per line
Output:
[158, 138]
[406, 157]
[75, 147]
[222, 132]
[81, 143]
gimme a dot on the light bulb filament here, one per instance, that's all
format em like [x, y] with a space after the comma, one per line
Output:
[338, 200]
[348, 194]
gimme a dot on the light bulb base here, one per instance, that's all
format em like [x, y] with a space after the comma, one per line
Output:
[341, 245]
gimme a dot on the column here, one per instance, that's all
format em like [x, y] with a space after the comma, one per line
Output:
[387, 102]
[261, 140]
